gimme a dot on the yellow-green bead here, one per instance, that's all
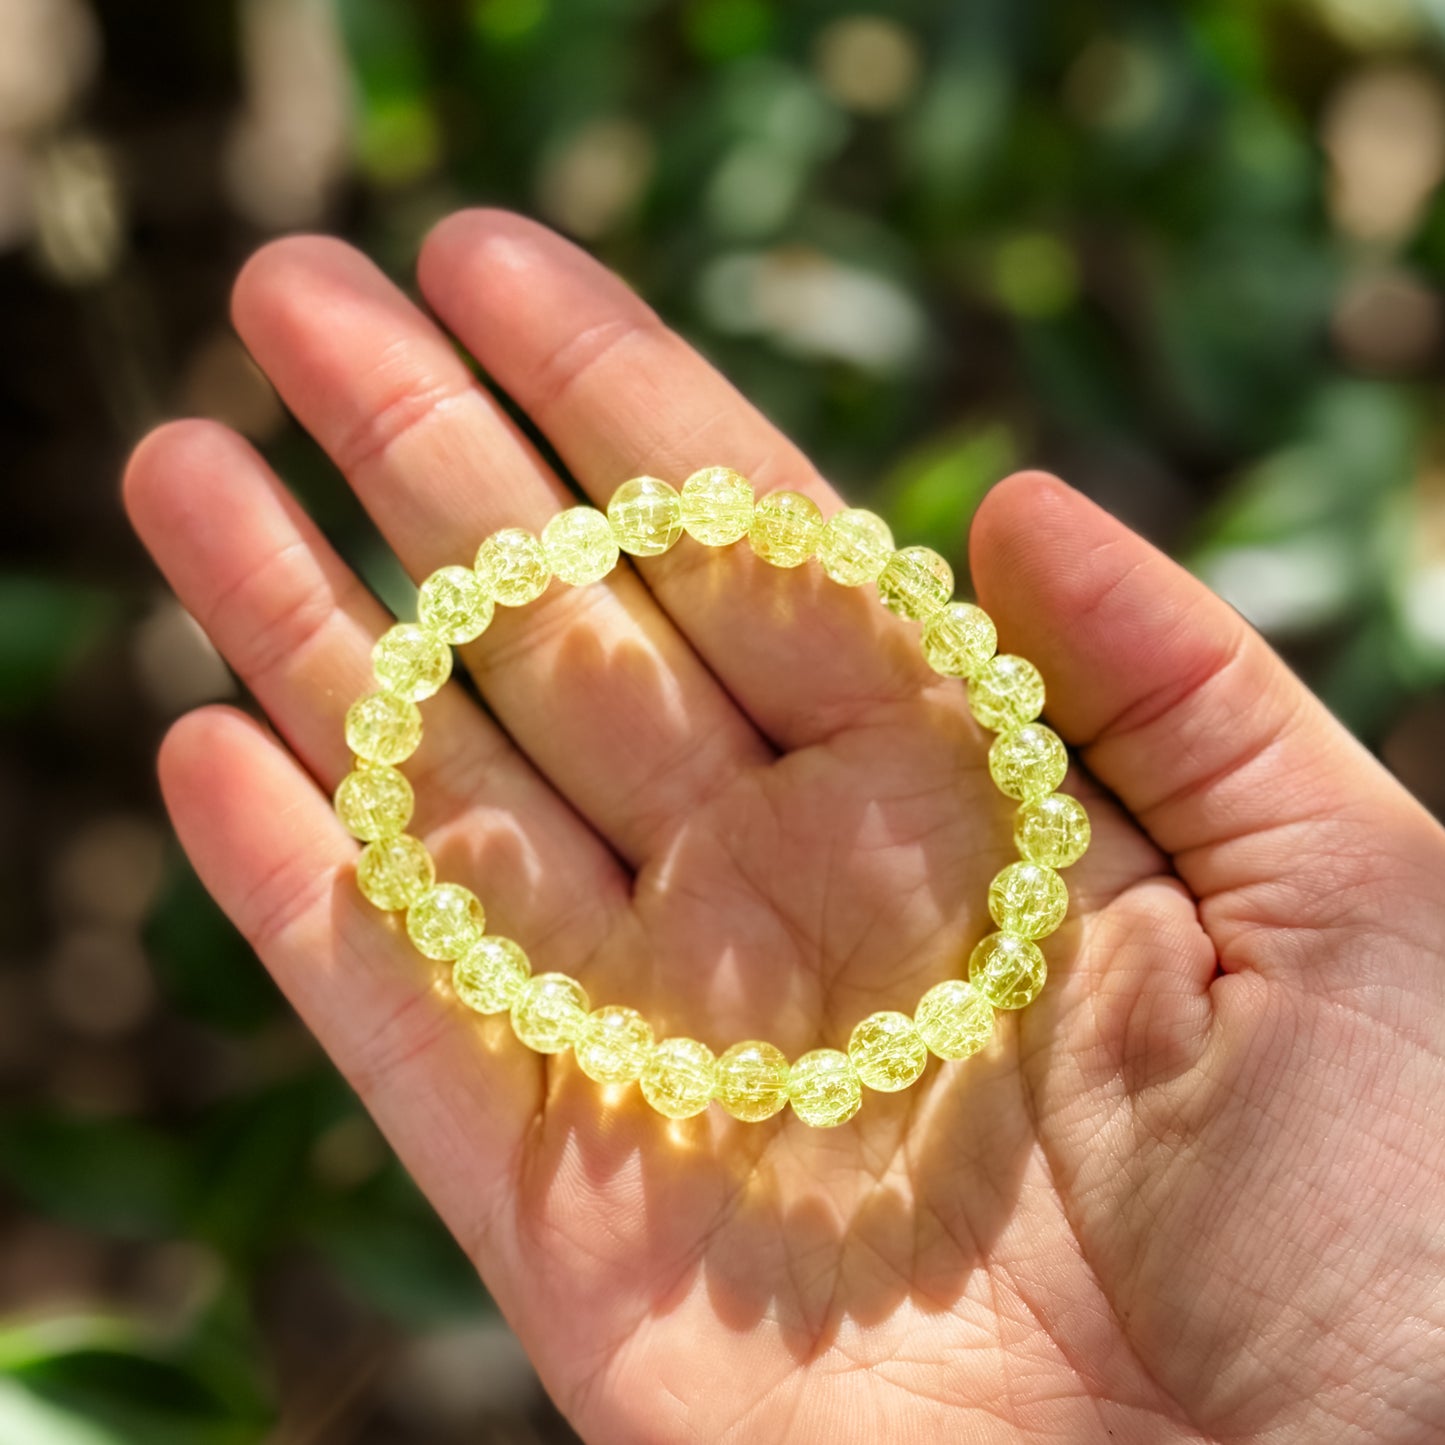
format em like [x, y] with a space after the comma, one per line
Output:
[393, 873]
[579, 546]
[824, 1089]
[453, 605]
[717, 506]
[854, 547]
[646, 516]
[915, 583]
[613, 1044]
[513, 567]
[959, 640]
[752, 1080]
[490, 974]
[411, 662]
[548, 1010]
[446, 921]
[374, 802]
[1005, 692]
[1028, 761]
[1028, 899]
[383, 728]
[954, 1019]
[1052, 830]
[679, 1077]
[1008, 971]
[887, 1052]
[785, 528]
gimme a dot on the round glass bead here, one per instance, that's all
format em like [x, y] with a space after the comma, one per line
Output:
[393, 873]
[512, 567]
[785, 528]
[854, 546]
[445, 921]
[1028, 899]
[548, 1010]
[490, 974]
[1007, 971]
[717, 505]
[959, 640]
[1052, 830]
[915, 583]
[579, 546]
[1028, 761]
[823, 1088]
[1005, 692]
[613, 1044]
[411, 662]
[374, 801]
[679, 1077]
[887, 1051]
[752, 1080]
[954, 1019]
[383, 728]
[453, 605]
[646, 516]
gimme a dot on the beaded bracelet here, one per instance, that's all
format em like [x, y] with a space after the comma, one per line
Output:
[551, 1012]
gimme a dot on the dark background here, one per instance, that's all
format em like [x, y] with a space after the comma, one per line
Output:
[1190, 256]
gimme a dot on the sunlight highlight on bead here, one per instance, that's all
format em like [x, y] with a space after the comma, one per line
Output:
[453, 604]
[1005, 692]
[958, 640]
[785, 528]
[915, 583]
[411, 662]
[824, 1089]
[512, 567]
[752, 1080]
[613, 1044]
[490, 974]
[887, 1051]
[1028, 899]
[954, 1019]
[1028, 761]
[679, 1077]
[445, 921]
[717, 506]
[646, 516]
[854, 546]
[579, 546]
[392, 873]
[548, 1010]
[374, 801]
[1007, 971]
[382, 728]
[1053, 830]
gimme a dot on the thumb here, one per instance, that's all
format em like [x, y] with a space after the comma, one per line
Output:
[1281, 824]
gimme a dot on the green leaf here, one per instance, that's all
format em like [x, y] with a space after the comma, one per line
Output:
[46, 627]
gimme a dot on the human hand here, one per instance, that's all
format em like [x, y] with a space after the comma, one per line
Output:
[1193, 1192]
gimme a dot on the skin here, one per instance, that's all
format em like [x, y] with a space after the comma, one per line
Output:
[1192, 1193]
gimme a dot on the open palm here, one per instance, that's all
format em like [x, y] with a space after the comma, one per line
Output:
[1191, 1193]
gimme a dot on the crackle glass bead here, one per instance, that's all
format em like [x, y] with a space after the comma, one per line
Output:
[579, 546]
[954, 1019]
[513, 567]
[548, 1010]
[453, 605]
[445, 921]
[1028, 899]
[374, 801]
[717, 505]
[915, 583]
[887, 1051]
[1005, 692]
[1008, 971]
[490, 974]
[411, 662]
[752, 1080]
[393, 873]
[678, 1078]
[1052, 830]
[854, 546]
[613, 1044]
[785, 528]
[383, 728]
[824, 1089]
[959, 640]
[1028, 761]
[646, 516]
